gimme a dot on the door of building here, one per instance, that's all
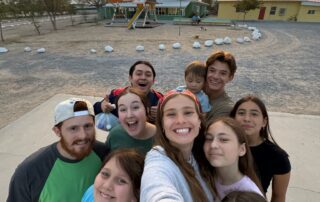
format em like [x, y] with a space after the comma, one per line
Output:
[262, 12]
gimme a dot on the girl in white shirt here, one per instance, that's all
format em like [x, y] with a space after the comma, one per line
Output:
[226, 149]
[171, 171]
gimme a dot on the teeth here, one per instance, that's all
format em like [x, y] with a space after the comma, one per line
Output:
[182, 130]
[131, 122]
[106, 195]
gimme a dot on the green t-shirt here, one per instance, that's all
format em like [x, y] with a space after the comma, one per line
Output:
[47, 176]
[66, 178]
[119, 138]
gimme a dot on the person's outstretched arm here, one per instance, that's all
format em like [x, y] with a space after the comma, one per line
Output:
[279, 187]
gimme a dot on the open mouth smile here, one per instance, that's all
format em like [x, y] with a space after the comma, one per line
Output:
[182, 131]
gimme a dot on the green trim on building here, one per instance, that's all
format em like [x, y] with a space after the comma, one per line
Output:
[192, 8]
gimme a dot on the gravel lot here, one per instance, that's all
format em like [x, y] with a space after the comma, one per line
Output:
[283, 68]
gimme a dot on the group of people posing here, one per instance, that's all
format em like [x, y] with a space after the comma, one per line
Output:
[191, 143]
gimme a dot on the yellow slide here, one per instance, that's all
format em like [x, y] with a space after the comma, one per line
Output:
[139, 10]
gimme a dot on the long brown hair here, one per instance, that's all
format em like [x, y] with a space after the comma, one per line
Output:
[132, 162]
[246, 162]
[174, 153]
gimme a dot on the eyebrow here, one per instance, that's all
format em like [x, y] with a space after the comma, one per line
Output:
[219, 134]
[186, 107]
[147, 71]
[251, 110]
[134, 102]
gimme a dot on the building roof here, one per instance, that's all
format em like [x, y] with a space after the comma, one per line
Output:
[310, 2]
[161, 4]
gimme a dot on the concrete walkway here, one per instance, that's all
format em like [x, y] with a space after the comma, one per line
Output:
[297, 134]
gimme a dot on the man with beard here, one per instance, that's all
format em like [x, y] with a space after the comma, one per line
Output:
[65, 169]
[141, 76]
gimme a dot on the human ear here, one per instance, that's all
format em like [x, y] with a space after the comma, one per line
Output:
[231, 78]
[265, 121]
[130, 79]
[242, 149]
[57, 131]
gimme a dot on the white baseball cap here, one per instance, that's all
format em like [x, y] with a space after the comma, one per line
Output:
[65, 110]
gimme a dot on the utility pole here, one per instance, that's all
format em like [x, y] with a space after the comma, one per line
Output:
[180, 11]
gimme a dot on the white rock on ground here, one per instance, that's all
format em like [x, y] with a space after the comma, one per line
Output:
[3, 50]
[41, 50]
[208, 43]
[227, 40]
[246, 39]
[27, 49]
[139, 48]
[196, 45]
[93, 50]
[108, 49]
[218, 41]
[240, 40]
[162, 47]
[176, 45]
[256, 35]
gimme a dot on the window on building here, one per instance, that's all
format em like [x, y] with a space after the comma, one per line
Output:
[273, 10]
[311, 12]
[282, 11]
[172, 11]
[161, 11]
[169, 11]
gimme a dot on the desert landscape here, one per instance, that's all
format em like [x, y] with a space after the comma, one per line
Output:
[282, 67]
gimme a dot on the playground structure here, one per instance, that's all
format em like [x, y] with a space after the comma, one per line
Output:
[143, 6]
[118, 9]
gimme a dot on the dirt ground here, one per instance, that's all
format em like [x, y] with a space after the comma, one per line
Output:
[282, 68]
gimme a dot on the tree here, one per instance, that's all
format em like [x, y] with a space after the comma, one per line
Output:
[71, 10]
[245, 6]
[53, 7]
[13, 9]
[3, 14]
[32, 9]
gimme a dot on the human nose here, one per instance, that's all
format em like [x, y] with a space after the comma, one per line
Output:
[129, 113]
[215, 74]
[108, 184]
[214, 143]
[143, 76]
[83, 133]
[246, 117]
[180, 118]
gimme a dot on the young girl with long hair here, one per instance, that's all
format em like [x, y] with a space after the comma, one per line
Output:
[226, 148]
[171, 171]
[272, 162]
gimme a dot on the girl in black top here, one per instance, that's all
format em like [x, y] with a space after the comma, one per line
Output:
[271, 161]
